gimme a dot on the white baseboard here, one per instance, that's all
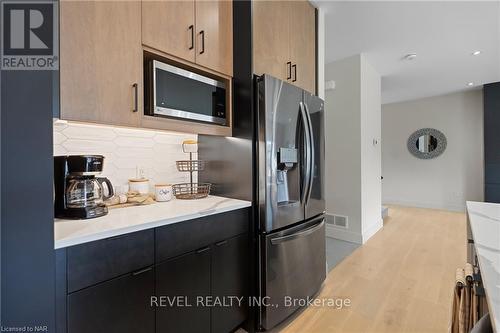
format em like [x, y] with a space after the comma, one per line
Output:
[343, 234]
[372, 230]
[432, 205]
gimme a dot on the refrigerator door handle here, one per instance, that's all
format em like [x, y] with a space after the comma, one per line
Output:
[311, 154]
[307, 151]
[300, 234]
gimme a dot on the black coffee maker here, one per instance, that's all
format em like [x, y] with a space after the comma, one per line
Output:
[78, 193]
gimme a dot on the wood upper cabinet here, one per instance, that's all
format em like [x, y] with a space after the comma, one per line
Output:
[168, 26]
[214, 26]
[284, 41]
[303, 44]
[200, 32]
[101, 61]
[271, 38]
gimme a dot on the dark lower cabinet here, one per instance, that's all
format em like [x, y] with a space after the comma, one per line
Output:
[229, 280]
[180, 281]
[94, 262]
[120, 305]
[107, 285]
[492, 192]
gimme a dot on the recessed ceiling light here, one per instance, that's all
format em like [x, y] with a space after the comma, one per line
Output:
[410, 56]
[475, 53]
[470, 84]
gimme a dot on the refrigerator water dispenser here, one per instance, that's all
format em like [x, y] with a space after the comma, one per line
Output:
[287, 158]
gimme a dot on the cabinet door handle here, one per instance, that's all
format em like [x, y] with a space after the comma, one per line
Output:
[144, 270]
[221, 243]
[202, 34]
[294, 66]
[289, 70]
[205, 249]
[136, 97]
[191, 28]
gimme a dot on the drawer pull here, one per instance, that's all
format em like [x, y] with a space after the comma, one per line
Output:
[144, 270]
[117, 237]
[205, 249]
[221, 243]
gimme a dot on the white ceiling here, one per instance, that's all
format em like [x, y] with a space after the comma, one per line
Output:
[442, 34]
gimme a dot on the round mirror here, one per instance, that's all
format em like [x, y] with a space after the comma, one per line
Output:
[427, 143]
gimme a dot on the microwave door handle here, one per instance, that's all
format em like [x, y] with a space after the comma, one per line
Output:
[306, 176]
[311, 153]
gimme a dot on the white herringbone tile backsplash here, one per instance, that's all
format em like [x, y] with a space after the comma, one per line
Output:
[125, 149]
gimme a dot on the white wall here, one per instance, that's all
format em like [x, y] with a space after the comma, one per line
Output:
[343, 145]
[371, 154]
[447, 181]
[352, 120]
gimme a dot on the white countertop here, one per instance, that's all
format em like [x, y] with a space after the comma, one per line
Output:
[484, 221]
[120, 221]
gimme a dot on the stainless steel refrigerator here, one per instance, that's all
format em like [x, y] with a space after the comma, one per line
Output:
[290, 198]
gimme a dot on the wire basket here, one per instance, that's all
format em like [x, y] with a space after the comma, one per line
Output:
[191, 190]
[190, 165]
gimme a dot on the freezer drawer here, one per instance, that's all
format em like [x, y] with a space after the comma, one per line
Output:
[293, 268]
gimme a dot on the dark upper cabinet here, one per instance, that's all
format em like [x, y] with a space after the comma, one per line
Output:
[491, 122]
[230, 278]
[491, 99]
[120, 305]
[185, 276]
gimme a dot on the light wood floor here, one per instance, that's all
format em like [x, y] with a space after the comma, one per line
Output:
[401, 280]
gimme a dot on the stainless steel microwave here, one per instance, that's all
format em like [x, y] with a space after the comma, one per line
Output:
[179, 93]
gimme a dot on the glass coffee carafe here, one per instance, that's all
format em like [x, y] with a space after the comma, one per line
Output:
[87, 191]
